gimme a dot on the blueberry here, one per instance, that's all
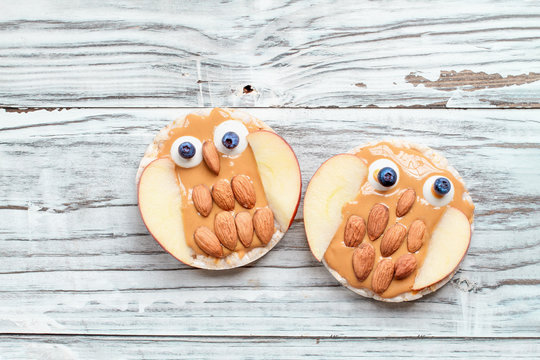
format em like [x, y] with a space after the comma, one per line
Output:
[186, 150]
[442, 186]
[230, 140]
[387, 176]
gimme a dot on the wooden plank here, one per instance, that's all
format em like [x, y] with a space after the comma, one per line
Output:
[458, 54]
[77, 259]
[161, 348]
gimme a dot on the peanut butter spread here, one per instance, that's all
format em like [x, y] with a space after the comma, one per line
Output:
[414, 170]
[202, 127]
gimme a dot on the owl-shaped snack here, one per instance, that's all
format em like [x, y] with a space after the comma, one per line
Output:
[390, 220]
[218, 189]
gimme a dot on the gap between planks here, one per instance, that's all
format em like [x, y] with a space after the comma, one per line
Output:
[23, 109]
[269, 337]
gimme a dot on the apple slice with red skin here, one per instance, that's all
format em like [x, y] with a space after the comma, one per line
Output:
[160, 204]
[447, 246]
[280, 174]
[335, 183]
[160, 199]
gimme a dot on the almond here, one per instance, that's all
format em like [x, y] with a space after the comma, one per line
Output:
[405, 202]
[207, 241]
[244, 228]
[377, 221]
[415, 238]
[202, 199]
[382, 276]
[244, 192]
[225, 229]
[263, 222]
[211, 156]
[392, 239]
[355, 230]
[405, 266]
[223, 195]
[363, 259]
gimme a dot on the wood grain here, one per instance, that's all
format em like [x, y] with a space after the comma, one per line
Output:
[103, 347]
[292, 54]
[82, 279]
[76, 258]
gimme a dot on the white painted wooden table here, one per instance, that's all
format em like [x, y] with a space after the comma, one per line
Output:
[80, 278]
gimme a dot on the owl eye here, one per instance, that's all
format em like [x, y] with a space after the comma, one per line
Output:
[186, 151]
[438, 190]
[383, 174]
[230, 137]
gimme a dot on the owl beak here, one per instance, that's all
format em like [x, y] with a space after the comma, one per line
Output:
[211, 156]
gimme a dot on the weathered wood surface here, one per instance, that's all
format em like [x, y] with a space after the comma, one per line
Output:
[82, 279]
[76, 258]
[458, 54]
[162, 348]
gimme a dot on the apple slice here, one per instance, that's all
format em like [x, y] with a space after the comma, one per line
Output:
[335, 183]
[280, 174]
[447, 247]
[160, 204]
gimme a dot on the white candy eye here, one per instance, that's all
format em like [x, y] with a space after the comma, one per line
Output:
[383, 174]
[230, 137]
[438, 190]
[186, 151]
